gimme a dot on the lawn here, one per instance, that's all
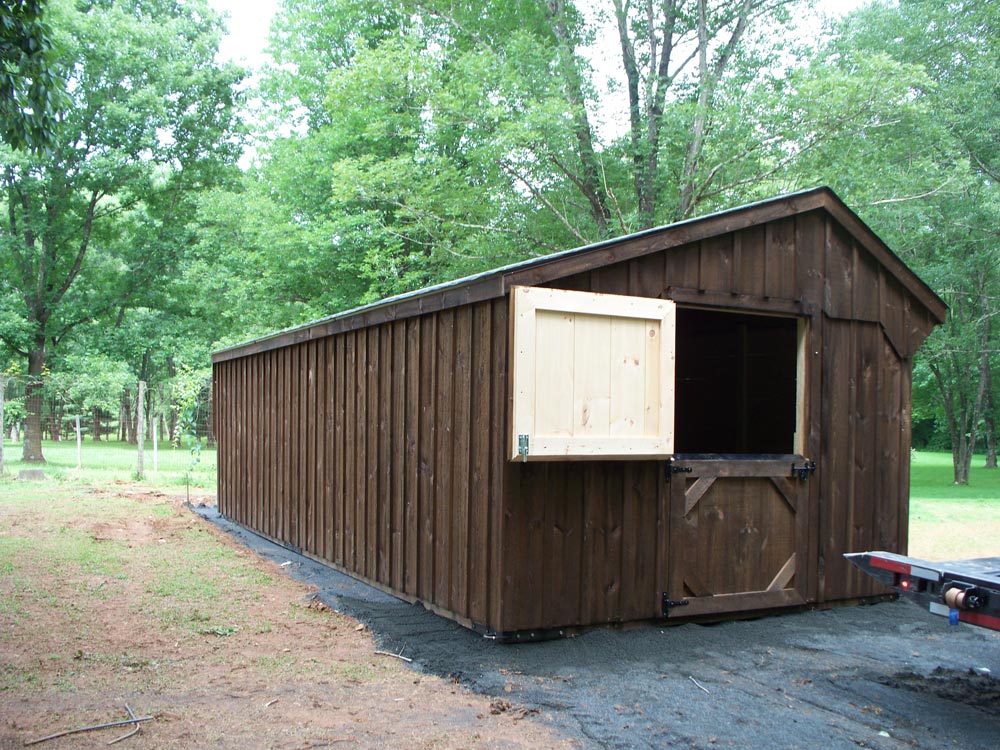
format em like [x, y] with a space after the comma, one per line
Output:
[949, 522]
[106, 461]
[946, 521]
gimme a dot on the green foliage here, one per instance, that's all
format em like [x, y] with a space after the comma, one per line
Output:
[406, 143]
[32, 82]
[90, 382]
[923, 173]
[95, 225]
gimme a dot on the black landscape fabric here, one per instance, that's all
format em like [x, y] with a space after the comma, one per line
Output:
[886, 677]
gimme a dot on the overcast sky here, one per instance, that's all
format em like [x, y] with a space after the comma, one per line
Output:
[249, 21]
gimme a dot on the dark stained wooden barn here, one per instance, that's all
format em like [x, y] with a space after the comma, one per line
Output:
[693, 421]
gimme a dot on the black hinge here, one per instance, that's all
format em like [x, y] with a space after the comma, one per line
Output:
[668, 604]
[803, 472]
[674, 468]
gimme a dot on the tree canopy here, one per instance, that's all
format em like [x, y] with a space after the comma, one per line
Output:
[97, 223]
[32, 84]
[400, 143]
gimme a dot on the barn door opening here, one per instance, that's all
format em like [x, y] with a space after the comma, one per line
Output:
[738, 534]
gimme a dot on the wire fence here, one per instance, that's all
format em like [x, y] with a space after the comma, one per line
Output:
[161, 433]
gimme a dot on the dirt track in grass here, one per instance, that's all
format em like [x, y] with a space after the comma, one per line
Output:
[115, 596]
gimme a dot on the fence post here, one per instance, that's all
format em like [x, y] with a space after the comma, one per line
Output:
[156, 435]
[140, 419]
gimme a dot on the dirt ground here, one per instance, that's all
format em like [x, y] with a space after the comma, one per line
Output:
[113, 596]
[125, 597]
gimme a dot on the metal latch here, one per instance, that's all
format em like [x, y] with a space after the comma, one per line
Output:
[803, 472]
[668, 604]
[522, 447]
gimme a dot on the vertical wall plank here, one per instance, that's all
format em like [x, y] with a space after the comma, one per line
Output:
[479, 446]
[612, 573]
[500, 469]
[889, 448]
[715, 258]
[461, 440]
[839, 279]
[426, 453]
[780, 259]
[444, 398]
[561, 535]
[905, 442]
[329, 449]
[351, 442]
[681, 267]
[360, 468]
[371, 506]
[868, 432]
[749, 272]
[291, 508]
[837, 458]
[314, 426]
[595, 544]
[386, 469]
[302, 419]
[340, 449]
[411, 471]
[399, 379]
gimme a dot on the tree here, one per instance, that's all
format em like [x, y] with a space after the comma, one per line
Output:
[922, 171]
[94, 221]
[431, 139]
[32, 87]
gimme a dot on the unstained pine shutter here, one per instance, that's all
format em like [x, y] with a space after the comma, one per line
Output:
[593, 375]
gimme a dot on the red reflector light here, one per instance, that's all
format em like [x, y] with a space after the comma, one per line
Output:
[905, 583]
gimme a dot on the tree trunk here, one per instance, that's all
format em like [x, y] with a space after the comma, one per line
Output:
[990, 423]
[32, 451]
[961, 455]
[97, 425]
[587, 180]
[172, 414]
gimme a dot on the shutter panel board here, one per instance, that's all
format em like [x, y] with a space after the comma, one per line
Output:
[593, 375]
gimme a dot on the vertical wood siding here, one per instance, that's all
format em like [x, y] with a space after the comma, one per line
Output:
[374, 450]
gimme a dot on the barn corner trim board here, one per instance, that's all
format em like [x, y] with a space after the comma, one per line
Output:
[579, 438]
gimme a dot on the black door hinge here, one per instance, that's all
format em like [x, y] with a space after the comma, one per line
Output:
[668, 604]
[674, 468]
[803, 472]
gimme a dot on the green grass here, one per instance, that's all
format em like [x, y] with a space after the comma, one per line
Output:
[931, 477]
[109, 461]
[949, 521]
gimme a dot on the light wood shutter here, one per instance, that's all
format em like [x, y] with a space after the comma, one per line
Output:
[593, 375]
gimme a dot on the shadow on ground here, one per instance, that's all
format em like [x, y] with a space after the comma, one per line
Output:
[884, 677]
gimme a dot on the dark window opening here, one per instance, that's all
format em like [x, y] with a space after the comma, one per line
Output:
[735, 383]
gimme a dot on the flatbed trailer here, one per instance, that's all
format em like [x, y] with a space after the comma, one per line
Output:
[963, 591]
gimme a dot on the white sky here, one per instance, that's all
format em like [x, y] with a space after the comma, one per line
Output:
[249, 21]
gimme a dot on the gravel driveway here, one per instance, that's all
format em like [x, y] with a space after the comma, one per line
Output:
[885, 676]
